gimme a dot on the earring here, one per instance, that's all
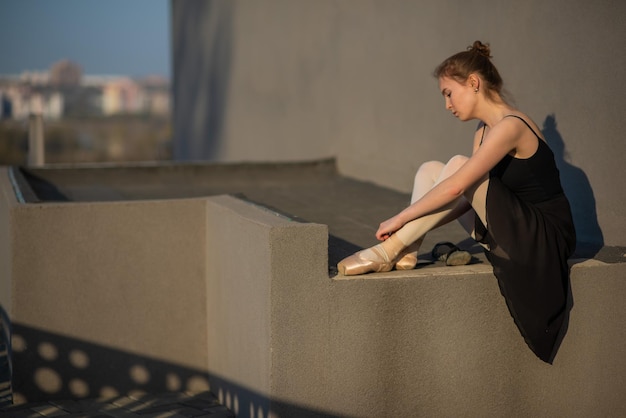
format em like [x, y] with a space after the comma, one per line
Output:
[476, 90]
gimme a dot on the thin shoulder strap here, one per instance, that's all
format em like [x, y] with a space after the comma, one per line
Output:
[525, 123]
[483, 135]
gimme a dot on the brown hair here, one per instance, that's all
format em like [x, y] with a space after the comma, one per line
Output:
[475, 60]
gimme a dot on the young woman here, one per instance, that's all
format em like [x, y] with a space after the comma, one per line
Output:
[507, 195]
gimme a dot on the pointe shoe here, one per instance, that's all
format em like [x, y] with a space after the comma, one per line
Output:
[379, 258]
[407, 262]
[358, 264]
[408, 257]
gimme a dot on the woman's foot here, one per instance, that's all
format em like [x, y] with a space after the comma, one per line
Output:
[379, 258]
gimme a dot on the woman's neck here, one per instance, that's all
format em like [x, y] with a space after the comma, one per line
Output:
[495, 111]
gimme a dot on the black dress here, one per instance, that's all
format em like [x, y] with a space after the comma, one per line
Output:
[530, 235]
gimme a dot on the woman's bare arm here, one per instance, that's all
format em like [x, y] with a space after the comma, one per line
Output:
[501, 140]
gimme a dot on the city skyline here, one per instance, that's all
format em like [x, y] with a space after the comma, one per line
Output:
[114, 37]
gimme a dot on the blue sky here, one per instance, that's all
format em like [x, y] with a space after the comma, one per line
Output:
[123, 37]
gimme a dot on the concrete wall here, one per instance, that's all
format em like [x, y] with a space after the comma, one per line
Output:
[279, 80]
[430, 342]
[268, 339]
[441, 345]
[119, 284]
[107, 273]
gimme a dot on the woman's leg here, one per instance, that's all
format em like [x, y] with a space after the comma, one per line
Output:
[407, 239]
[417, 229]
[426, 177]
[463, 209]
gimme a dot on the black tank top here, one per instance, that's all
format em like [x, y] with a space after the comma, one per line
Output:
[534, 179]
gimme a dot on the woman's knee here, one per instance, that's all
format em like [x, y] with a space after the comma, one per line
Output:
[457, 162]
[452, 166]
[429, 169]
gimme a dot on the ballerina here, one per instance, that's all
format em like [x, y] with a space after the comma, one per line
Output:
[507, 196]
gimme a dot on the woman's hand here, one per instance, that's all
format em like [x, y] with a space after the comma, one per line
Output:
[388, 227]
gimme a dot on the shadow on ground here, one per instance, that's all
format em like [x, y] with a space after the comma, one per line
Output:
[55, 371]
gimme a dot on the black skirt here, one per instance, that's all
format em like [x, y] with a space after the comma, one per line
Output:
[529, 247]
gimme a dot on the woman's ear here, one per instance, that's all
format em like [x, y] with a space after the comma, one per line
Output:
[473, 81]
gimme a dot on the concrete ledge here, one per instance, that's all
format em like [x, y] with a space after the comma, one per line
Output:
[432, 342]
[446, 345]
[431, 271]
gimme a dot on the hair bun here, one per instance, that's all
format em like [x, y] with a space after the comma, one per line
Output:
[482, 49]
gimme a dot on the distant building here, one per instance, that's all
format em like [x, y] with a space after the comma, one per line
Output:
[98, 80]
[18, 102]
[159, 103]
[122, 96]
[65, 73]
[157, 95]
[35, 78]
[65, 92]
[53, 106]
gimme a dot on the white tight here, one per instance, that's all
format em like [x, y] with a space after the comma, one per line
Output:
[463, 208]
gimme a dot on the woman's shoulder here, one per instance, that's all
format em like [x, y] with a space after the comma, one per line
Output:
[521, 122]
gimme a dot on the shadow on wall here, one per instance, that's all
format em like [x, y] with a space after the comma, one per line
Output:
[48, 367]
[201, 81]
[578, 190]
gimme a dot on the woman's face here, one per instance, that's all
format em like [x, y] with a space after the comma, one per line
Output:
[460, 97]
